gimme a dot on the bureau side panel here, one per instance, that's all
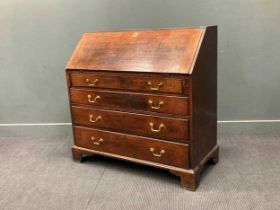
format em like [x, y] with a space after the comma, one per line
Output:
[204, 99]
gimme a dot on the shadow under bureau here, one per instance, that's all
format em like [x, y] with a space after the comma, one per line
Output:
[147, 96]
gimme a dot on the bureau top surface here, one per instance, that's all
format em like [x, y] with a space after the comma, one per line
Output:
[158, 50]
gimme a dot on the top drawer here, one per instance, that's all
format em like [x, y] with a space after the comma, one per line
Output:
[127, 82]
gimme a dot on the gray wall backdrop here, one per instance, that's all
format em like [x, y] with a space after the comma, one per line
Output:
[38, 36]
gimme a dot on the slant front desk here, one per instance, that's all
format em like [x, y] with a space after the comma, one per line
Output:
[147, 96]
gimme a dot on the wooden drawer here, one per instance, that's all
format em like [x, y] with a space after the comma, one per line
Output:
[125, 82]
[131, 101]
[159, 127]
[168, 153]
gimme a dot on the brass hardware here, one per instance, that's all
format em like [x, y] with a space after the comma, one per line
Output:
[155, 88]
[159, 127]
[96, 142]
[96, 119]
[94, 100]
[154, 106]
[135, 34]
[91, 83]
[161, 152]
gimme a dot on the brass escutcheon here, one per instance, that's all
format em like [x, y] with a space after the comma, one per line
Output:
[94, 120]
[153, 106]
[91, 83]
[158, 129]
[161, 152]
[94, 100]
[95, 141]
[155, 88]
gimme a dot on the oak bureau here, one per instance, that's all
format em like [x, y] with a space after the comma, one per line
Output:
[147, 96]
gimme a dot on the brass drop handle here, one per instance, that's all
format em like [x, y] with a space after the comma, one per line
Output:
[94, 120]
[155, 88]
[93, 100]
[155, 106]
[95, 141]
[159, 127]
[161, 152]
[91, 83]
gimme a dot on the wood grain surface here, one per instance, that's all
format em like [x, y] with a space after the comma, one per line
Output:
[132, 102]
[174, 128]
[161, 51]
[132, 146]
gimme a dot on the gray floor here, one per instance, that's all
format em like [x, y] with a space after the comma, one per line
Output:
[40, 174]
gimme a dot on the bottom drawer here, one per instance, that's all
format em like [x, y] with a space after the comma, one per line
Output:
[143, 148]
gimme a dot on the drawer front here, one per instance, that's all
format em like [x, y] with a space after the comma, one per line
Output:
[158, 127]
[131, 101]
[123, 82]
[133, 146]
